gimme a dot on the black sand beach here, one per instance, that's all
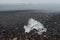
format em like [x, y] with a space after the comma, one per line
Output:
[12, 23]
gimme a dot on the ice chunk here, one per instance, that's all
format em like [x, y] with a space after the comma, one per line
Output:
[34, 24]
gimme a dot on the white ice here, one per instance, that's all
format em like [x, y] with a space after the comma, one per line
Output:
[34, 24]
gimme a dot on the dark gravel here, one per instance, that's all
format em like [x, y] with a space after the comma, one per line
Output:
[12, 23]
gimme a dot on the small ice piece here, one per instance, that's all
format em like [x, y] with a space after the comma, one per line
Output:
[15, 38]
[34, 24]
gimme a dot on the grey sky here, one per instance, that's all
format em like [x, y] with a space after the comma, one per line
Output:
[53, 5]
[29, 1]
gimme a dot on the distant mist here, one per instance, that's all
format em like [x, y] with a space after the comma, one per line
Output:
[49, 7]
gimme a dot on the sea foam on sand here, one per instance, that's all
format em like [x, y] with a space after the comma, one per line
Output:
[34, 24]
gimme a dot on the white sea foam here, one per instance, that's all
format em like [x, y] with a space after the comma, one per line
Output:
[34, 24]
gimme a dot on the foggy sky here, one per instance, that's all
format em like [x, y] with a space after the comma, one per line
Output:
[53, 5]
[28, 1]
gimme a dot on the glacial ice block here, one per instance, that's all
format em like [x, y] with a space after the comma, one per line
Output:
[34, 24]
